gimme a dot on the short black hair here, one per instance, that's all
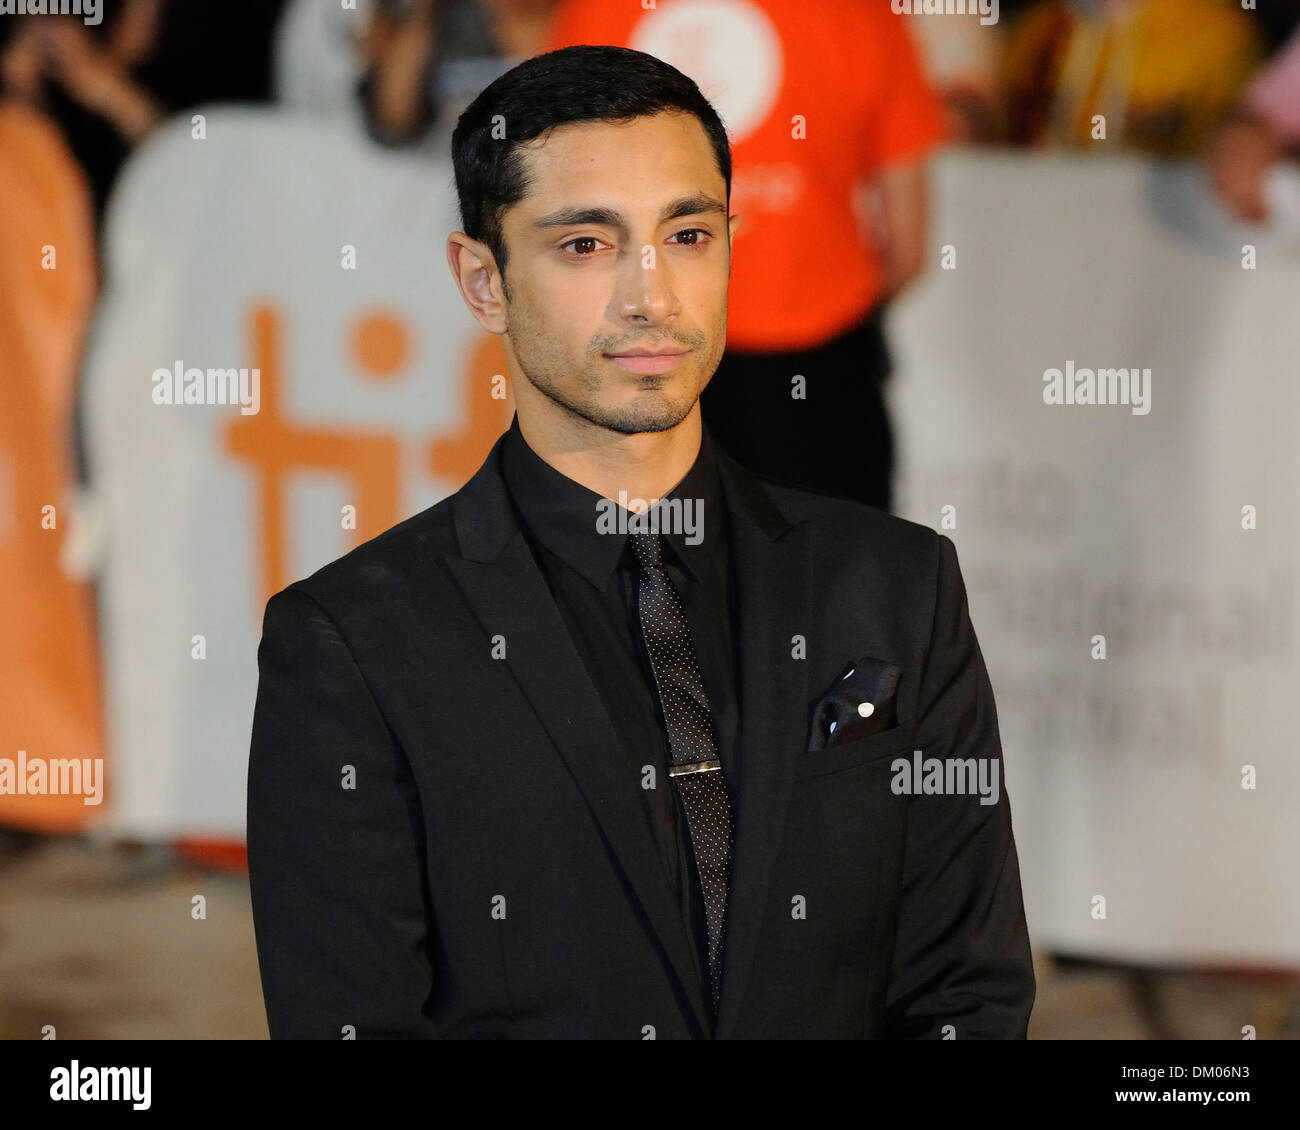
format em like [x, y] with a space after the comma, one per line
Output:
[574, 84]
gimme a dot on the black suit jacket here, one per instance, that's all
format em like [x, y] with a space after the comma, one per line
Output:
[442, 843]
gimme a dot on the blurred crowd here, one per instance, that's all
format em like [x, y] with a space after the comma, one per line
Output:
[1212, 79]
[1215, 81]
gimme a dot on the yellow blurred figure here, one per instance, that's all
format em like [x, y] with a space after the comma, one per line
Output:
[1162, 74]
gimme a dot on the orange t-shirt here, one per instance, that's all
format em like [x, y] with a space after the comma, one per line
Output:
[848, 70]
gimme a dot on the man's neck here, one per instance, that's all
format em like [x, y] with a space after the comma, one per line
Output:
[645, 466]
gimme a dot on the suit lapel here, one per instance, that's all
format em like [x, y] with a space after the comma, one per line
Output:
[772, 559]
[509, 595]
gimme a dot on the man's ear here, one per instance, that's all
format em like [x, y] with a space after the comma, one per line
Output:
[478, 280]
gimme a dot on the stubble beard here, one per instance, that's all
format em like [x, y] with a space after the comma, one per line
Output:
[657, 412]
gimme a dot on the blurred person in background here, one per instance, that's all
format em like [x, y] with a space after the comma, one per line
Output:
[1163, 73]
[76, 99]
[108, 85]
[426, 60]
[86, 78]
[1261, 140]
[49, 676]
[831, 121]
[1276, 20]
[961, 62]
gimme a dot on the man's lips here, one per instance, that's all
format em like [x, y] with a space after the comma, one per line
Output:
[642, 361]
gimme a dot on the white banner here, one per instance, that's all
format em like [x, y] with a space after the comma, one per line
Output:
[1163, 532]
[290, 246]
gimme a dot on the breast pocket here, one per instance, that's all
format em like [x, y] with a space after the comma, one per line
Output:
[894, 742]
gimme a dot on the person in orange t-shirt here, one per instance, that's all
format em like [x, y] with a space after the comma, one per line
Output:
[50, 704]
[831, 121]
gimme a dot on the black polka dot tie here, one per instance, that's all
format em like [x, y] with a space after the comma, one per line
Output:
[696, 768]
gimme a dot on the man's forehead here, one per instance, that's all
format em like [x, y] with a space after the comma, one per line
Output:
[583, 167]
[670, 143]
[676, 123]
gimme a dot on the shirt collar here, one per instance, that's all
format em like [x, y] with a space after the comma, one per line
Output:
[562, 514]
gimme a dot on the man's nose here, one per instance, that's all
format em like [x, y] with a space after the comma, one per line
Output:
[646, 290]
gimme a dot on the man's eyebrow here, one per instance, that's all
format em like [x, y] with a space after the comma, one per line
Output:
[697, 204]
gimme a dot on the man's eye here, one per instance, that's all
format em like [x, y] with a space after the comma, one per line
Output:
[697, 237]
[581, 239]
[697, 233]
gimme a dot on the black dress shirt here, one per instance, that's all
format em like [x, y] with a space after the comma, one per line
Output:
[593, 577]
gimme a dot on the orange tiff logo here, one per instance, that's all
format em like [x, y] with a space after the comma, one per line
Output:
[274, 447]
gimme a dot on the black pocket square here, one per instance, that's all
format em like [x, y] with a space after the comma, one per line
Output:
[861, 702]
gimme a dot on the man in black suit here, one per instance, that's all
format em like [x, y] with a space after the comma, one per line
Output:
[619, 740]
